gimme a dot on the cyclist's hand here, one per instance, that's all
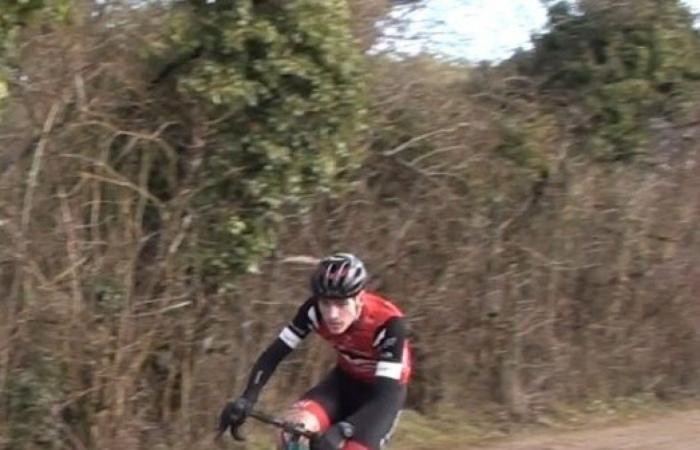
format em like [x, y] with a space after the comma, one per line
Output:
[333, 438]
[234, 414]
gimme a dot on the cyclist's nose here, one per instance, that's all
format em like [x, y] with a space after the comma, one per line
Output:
[333, 312]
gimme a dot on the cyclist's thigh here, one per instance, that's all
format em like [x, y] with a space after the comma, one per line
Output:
[376, 432]
[323, 401]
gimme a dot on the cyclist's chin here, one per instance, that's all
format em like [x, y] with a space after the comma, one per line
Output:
[337, 328]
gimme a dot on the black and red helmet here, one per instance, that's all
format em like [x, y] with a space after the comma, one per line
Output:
[341, 275]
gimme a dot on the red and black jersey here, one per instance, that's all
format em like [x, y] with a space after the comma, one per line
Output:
[373, 349]
[374, 345]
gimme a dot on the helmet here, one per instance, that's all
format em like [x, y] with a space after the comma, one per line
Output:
[341, 275]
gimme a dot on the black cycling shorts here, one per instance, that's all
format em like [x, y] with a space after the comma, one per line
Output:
[338, 396]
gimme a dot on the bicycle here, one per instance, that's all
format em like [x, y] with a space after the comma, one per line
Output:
[294, 430]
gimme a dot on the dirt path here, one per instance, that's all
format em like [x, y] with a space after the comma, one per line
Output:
[676, 431]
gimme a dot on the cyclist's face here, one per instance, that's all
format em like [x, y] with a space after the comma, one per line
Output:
[339, 314]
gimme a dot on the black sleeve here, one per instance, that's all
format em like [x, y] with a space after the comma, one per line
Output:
[264, 367]
[387, 390]
[304, 321]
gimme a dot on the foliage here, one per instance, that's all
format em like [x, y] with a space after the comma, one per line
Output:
[626, 65]
[153, 154]
[32, 393]
[16, 14]
[284, 82]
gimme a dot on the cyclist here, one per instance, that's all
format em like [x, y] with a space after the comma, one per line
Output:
[362, 395]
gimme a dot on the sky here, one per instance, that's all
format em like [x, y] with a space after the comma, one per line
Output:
[475, 30]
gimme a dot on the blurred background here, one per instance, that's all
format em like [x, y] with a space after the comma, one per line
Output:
[170, 171]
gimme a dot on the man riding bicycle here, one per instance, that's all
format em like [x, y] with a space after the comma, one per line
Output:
[363, 394]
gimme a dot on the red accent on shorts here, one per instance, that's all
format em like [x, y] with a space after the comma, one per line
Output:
[317, 411]
[354, 445]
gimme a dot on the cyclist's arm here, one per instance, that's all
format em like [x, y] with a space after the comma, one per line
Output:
[290, 337]
[387, 389]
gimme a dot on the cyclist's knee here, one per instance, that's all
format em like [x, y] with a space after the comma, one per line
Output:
[307, 413]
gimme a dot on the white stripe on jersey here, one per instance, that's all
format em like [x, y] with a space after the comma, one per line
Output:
[389, 369]
[289, 337]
